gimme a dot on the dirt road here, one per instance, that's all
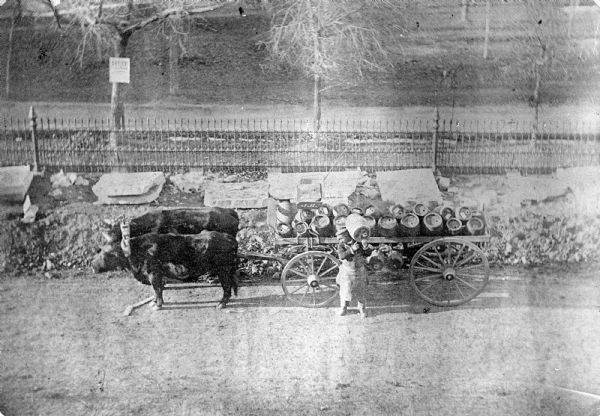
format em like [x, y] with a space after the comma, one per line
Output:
[521, 348]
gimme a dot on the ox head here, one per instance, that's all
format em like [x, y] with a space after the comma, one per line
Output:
[109, 257]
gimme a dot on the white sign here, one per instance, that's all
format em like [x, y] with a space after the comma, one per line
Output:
[54, 3]
[119, 70]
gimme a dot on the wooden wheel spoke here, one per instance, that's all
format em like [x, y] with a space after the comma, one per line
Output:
[298, 273]
[321, 265]
[467, 260]
[423, 256]
[428, 276]
[459, 290]
[471, 266]
[462, 247]
[439, 255]
[298, 288]
[305, 292]
[427, 269]
[426, 288]
[464, 282]
[335, 266]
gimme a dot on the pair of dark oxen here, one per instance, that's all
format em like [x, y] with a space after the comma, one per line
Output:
[174, 245]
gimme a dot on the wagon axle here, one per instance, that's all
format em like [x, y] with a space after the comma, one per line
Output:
[312, 281]
[449, 273]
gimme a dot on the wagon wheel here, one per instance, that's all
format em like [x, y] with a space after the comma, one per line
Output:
[308, 279]
[449, 271]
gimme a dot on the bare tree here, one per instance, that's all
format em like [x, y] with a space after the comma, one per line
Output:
[17, 14]
[327, 38]
[486, 40]
[543, 37]
[116, 22]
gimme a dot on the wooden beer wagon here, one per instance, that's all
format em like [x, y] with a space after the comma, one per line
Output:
[442, 270]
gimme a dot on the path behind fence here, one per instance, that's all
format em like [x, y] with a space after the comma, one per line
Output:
[146, 145]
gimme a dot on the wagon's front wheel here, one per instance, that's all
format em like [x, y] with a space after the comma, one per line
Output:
[308, 279]
[449, 271]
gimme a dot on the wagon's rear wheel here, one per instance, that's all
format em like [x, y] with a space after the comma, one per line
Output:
[308, 279]
[449, 271]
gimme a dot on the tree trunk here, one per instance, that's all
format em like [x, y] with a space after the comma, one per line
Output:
[117, 109]
[317, 102]
[536, 100]
[465, 10]
[173, 64]
[98, 48]
[487, 29]
[574, 5]
[9, 52]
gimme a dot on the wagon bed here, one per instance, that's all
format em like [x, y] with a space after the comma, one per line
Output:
[443, 270]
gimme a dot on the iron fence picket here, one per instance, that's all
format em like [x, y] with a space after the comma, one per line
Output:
[475, 146]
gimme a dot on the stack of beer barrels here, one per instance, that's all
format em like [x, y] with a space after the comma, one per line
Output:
[420, 220]
[293, 221]
[412, 220]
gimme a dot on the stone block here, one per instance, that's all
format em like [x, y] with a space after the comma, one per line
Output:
[336, 187]
[236, 194]
[409, 186]
[128, 188]
[14, 183]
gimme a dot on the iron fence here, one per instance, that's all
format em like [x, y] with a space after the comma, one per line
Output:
[95, 146]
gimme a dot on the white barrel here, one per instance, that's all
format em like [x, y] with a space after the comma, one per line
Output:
[358, 227]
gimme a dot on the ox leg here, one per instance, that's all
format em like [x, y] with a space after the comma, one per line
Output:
[228, 282]
[158, 285]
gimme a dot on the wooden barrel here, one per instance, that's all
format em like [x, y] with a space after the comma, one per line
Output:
[376, 260]
[340, 222]
[387, 226]
[432, 224]
[373, 211]
[341, 210]
[372, 224]
[304, 215]
[321, 225]
[325, 210]
[358, 227]
[446, 212]
[284, 215]
[420, 210]
[409, 225]
[284, 230]
[301, 228]
[454, 226]
[395, 260]
[464, 214]
[475, 226]
[397, 211]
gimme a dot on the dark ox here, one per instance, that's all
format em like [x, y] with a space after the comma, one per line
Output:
[169, 221]
[179, 221]
[156, 259]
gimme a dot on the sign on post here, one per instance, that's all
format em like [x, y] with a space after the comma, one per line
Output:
[119, 70]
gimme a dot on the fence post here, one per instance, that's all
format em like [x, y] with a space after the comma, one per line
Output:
[33, 125]
[434, 143]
